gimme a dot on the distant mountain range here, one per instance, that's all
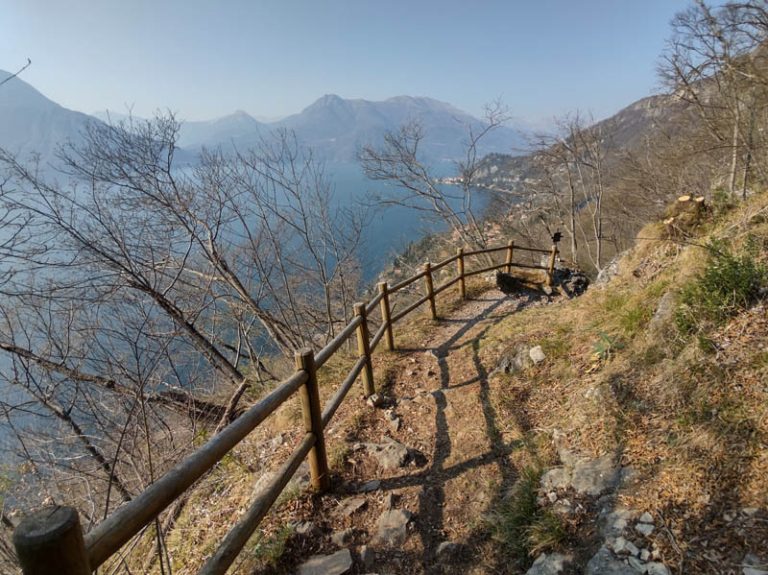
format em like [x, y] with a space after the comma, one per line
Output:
[31, 123]
[336, 128]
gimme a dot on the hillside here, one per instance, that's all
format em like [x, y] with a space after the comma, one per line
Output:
[629, 131]
[33, 124]
[336, 128]
[623, 431]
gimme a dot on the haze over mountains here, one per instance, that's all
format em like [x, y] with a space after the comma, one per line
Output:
[334, 127]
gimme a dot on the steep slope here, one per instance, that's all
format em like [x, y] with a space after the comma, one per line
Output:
[31, 123]
[628, 131]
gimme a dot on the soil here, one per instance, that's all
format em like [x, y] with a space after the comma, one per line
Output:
[463, 455]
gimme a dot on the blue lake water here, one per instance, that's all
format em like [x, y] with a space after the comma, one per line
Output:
[390, 228]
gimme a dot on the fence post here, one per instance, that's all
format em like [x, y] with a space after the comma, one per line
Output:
[51, 541]
[430, 289]
[364, 350]
[313, 422]
[551, 267]
[386, 316]
[510, 251]
[460, 272]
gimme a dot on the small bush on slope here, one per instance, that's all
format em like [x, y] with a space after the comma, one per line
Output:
[728, 284]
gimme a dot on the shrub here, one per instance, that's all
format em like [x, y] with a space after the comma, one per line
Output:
[728, 284]
[522, 527]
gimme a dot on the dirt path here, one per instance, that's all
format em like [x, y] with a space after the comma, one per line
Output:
[462, 456]
[461, 451]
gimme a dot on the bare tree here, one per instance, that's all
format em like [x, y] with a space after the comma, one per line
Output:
[715, 61]
[398, 161]
[141, 297]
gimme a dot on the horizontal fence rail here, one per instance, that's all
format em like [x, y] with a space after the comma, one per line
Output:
[67, 551]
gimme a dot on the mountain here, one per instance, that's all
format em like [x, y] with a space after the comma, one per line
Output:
[31, 123]
[239, 130]
[336, 128]
[339, 128]
[628, 131]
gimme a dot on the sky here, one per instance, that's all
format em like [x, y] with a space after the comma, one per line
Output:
[272, 58]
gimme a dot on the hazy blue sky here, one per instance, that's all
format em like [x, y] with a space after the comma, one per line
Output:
[204, 59]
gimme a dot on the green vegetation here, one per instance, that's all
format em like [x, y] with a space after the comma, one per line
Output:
[266, 550]
[522, 527]
[728, 284]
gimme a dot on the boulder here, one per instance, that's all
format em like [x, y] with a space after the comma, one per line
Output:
[336, 564]
[392, 528]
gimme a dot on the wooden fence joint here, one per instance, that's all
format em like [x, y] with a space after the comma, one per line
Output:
[510, 253]
[429, 288]
[51, 541]
[460, 273]
[386, 315]
[364, 349]
[313, 421]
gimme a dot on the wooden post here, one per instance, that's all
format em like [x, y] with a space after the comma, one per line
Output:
[510, 251]
[51, 541]
[386, 316]
[430, 289]
[460, 272]
[313, 422]
[551, 267]
[364, 350]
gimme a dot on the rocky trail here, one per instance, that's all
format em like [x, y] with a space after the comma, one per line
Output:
[426, 463]
[429, 462]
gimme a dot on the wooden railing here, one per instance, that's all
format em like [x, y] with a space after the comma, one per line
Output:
[51, 540]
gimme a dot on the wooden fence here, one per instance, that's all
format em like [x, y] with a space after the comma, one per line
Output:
[51, 541]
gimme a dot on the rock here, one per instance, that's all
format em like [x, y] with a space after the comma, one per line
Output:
[563, 507]
[277, 441]
[644, 529]
[645, 518]
[375, 400]
[369, 486]
[594, 476]
[335, 564]
[623, 547]
[367, 556]
[305, 528]
[390, 455]
[557, 478]
[537, 354]
[645, 555]
[446, 551]
[394, 424]
[613, 523]
[389, 501]
[342, 538]
[750, 511]
[392, 528]
[350, 506]
[752, 565]
[656, 568]
[636, 564]
[549, 564]
[516, 360]
[605, 563]
[664, 312]
[552, 496]
[610, 271]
